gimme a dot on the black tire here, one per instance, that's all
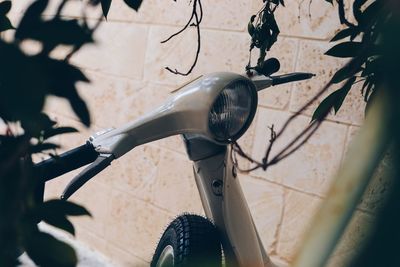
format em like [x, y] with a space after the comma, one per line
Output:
[194, 241]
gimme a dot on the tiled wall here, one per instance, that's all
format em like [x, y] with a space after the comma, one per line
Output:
[134, 199]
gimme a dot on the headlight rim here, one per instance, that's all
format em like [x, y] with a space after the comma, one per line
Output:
[253, 108]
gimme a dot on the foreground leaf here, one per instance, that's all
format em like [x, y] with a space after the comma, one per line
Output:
[47, 251]
[61, 207]
[61, 222]
[59, 130]
[334, 100]
[346, 49]
[105, 7]
[135, 4]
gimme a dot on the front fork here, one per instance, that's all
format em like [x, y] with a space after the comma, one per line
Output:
[225, 205]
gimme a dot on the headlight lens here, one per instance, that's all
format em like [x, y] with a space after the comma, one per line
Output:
[233, 111]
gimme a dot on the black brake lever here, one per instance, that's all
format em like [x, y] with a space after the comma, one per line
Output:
[291, 77]
[102, 162]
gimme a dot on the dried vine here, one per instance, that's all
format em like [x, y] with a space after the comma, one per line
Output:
[194, 21]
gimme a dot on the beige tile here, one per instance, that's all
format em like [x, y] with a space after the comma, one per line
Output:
[220, 51]
[134, 224]
[298, 213]
[266, 205]
[91, 239]
[217, 14]
[142, 98]
[119, 50]
[96, 197]
[136, 171]
[294, 19]
[312, 58]
[123, 257]
[175, 188]
[352, 240]
[307, 168]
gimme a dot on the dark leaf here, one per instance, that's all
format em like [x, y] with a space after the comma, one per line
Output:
[5, 7]
[357, 4]
[59, 130]
[45, 250]
[325, 107]
[329, 1]
[105, 7]
[370, 14]
[351, 68]
[57, 31]
[61, 207]
[5, 24]
[334, 100]
[344, 33]
[80, 108]
[282, 2]
[343, 93]
[62, 79]
[22, 98]
[43, 147]
[346, 49]
[37, 123]
[31, 19]
[60, 221]
[135, 4]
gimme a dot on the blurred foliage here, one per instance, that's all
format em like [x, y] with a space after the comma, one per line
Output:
[361, 42]
[25, 82]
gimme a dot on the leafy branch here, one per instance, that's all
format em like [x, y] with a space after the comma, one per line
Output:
[365, 65]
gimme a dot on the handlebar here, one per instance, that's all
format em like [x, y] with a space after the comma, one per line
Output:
[66, 162]
[71, 160]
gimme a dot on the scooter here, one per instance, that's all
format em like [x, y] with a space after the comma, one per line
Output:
[209, 112]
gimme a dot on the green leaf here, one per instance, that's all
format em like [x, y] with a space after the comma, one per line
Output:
[80, 108]
[344, 33]
[334, 100]
[346, 49]
[46, 251]
[59, 130]
[5, 7]
[105, 7]
[351, 68]
[60, 221]
[370, 14]
[135, 4]
[37, 123]
[5, 24]
[43, 147]
[31, 19]
[61, 207]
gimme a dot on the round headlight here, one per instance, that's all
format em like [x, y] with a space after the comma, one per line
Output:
[233, 111]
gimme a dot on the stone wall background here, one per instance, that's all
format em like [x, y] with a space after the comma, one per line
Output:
[133, 201]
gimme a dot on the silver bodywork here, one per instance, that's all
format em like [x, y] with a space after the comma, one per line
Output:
[186, 112]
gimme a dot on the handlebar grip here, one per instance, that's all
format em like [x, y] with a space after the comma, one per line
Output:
[66, 162]
[286, 78]
[102, 162]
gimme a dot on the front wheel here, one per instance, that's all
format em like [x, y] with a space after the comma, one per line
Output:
[189, 240]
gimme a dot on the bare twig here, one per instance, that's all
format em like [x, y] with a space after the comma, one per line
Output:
[197, 20]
